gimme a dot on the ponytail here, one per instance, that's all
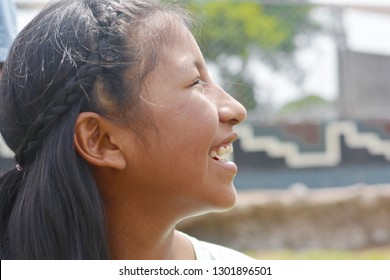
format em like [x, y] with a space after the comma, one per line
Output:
[52, 209]
[9, 184]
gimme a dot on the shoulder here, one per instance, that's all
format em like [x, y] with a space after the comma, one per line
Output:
[209, 251]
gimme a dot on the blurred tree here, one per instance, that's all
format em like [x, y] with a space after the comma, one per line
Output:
[250, 30]
[302, 104]
[310, 108]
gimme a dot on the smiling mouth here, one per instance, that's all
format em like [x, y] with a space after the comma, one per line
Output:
[222, 153]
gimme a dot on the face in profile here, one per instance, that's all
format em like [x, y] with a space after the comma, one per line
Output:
[180, 163]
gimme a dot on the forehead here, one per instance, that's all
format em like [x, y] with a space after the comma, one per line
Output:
[171, 49]
[163, 27]
[180, 50]
[179, 60]
[161, 33]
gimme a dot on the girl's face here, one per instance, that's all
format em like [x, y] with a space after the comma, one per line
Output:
[179, 163]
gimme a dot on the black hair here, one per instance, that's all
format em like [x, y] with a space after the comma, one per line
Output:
[75, 56]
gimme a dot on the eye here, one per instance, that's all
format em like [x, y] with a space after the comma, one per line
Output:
[198, 82]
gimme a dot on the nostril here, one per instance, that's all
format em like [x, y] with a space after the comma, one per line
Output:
[239, 113]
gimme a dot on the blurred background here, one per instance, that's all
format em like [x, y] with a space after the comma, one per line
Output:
[314, 152]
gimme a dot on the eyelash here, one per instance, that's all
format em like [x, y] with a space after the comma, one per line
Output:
[199, 82]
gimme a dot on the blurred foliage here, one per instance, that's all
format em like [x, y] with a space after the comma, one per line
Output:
[240, 28]
[304, 103]
[249, 30]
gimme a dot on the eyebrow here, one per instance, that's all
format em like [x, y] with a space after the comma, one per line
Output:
[187, 66]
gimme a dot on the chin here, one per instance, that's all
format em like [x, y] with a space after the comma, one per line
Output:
[215, 197]
[221, 204]
[224, 200]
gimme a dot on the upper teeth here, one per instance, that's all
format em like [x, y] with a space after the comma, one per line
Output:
[221, 151]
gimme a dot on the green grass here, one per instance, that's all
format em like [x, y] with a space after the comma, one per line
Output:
[380, 253]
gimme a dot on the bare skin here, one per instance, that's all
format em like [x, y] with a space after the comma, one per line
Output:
[151, 183]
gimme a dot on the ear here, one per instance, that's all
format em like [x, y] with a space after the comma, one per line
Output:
[94, 141]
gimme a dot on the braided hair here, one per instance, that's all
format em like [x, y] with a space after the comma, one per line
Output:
[71, 58]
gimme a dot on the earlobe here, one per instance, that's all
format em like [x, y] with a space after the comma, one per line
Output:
[94, 141]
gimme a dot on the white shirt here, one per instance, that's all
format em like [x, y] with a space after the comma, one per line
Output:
[208, 251]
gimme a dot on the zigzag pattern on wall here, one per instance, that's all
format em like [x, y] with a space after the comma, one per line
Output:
[330, 157]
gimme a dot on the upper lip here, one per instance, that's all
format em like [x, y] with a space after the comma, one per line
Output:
[230, 139]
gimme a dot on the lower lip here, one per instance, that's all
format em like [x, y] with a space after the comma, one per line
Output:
[229, 165]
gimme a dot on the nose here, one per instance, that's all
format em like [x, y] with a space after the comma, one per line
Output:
[230, 110]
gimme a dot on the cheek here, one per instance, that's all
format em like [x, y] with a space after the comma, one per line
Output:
[186, 131]
[193, 124]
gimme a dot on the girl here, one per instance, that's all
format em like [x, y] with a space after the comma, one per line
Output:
[118, 132]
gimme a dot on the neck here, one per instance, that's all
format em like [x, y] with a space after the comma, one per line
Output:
[138, 235]
[140, 222]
